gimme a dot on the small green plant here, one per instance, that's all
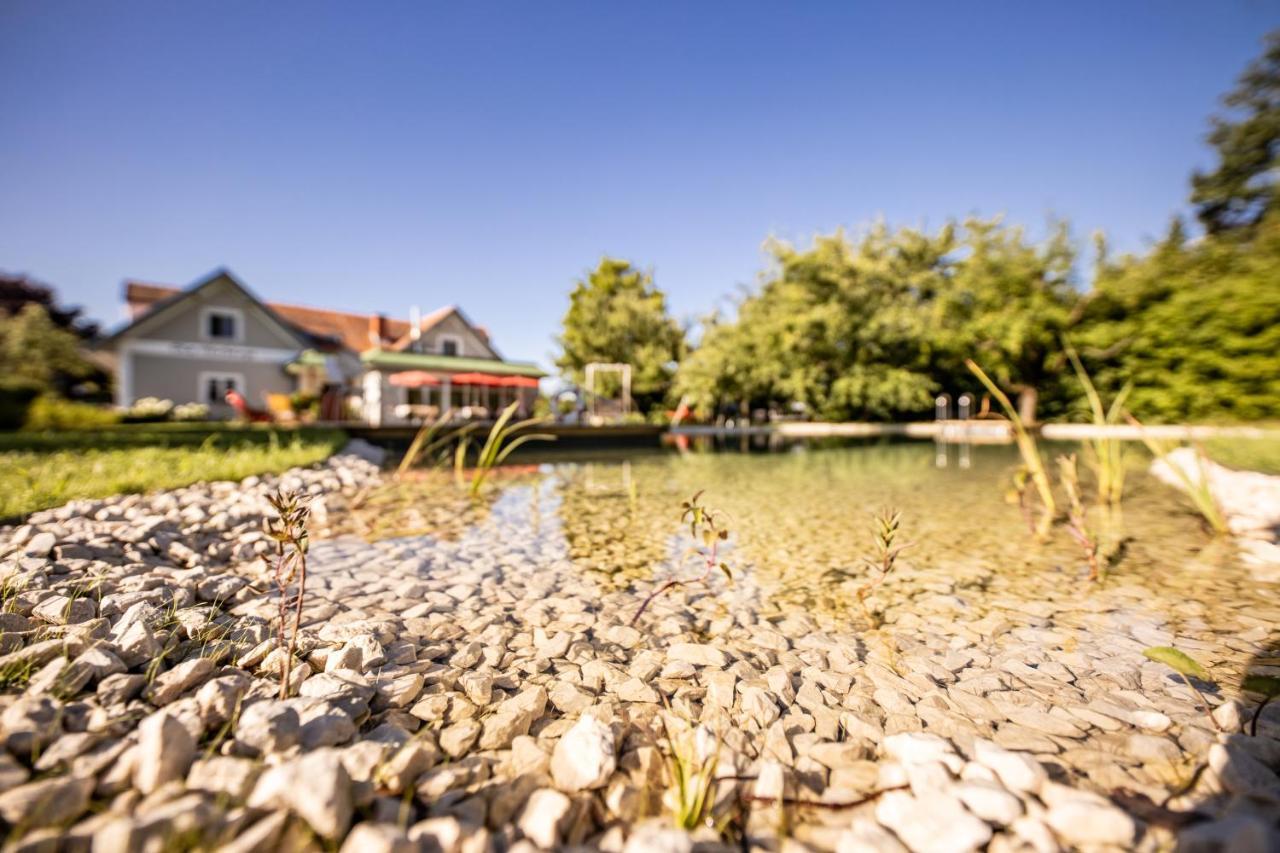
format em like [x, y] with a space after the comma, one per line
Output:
[1267, 686]
[691, 790]
[1077, 516]
[498, 445]
[289, 531]
[428, 439]
[885, 557]
[708, 527]
[1197, 488]
[1105, 454]
[1027, 447]
[1187, 668]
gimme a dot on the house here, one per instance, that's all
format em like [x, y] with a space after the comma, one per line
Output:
[197, 343]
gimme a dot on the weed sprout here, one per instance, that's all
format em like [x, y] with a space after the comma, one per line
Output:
[884, 558]
[707, 526]
[289, 531]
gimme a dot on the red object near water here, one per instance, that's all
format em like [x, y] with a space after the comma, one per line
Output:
[237, 401]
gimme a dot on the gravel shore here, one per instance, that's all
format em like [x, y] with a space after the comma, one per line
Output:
[485, 694]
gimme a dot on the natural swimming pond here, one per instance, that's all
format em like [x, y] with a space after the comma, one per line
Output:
[800, 522]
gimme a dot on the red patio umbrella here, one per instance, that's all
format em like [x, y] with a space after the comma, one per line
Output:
[413, 379]
[474, 379]
[518, 382]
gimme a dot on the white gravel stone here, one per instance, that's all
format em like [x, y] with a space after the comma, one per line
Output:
[698, 654]
[584, 757]
[165, 751]
[1016, 771]
[1080, 821]
[543, 817]
[938, 824]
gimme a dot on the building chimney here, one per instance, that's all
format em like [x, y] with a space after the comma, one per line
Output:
[377, 329]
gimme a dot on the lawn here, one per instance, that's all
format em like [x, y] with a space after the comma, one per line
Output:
[41, 470]
[1246, 454]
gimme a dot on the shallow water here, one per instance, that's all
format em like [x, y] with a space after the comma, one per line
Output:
[801, 525]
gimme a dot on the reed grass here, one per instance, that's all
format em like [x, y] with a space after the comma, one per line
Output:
[1027, 448]
[1106, 455]
[1197, 489]
[1077, 515]
[501, 442]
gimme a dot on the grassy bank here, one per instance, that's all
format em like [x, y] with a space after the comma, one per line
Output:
[1250, 454]
[41, 470]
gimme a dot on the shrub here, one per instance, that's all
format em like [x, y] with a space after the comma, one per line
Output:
[191, 412]
[15, 400]
[148, 410]
[54, 413]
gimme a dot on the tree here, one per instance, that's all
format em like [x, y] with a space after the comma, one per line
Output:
[617, 315]
[17, 291]
[1006, 304]
[34, 348]
[1194, 326]
[872, 329]
[1242, 188]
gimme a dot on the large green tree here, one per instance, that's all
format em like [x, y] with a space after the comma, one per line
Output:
[1241, 189]
[617, 315]
[1006, 305]
[873, 328]
[1195, 326]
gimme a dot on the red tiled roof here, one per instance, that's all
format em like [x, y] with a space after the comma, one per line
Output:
[351, 330]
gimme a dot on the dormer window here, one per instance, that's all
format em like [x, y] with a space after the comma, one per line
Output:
[449, 346]
[222, 324]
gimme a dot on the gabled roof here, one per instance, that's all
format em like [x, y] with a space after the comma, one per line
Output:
[344, 328]
[175, 296]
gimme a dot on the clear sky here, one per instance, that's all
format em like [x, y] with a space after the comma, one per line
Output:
[373, 156]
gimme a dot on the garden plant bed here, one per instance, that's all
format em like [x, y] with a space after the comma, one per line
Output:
[479, 685]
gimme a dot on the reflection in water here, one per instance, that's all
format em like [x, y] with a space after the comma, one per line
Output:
[800, 522]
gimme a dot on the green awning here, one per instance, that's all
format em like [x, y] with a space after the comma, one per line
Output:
[384, 360]
[306, 358]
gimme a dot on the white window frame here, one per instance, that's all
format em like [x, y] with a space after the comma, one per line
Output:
[237, 316]
[202, 385]
[457, 343]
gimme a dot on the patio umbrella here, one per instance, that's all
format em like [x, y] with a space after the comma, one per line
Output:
[519, 382]
[474, 379]
[413, 379]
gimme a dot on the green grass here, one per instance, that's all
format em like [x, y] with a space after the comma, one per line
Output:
[42, 470]
[1246, 454]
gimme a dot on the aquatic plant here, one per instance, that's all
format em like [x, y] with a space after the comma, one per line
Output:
[1077, 517]
[691, 788]
[1197, 488]
[1105, 454]
[707, 526]
[1027, 448]
[499, 444]
[884, 558]
[1268, 687]
[289, 531]
[426, 439]
[1187, 668]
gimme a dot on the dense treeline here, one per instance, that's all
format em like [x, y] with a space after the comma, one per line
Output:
[874, 327]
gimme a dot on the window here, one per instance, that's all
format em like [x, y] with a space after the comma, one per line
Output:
[450, 346]
[222, 324]
[213, 387]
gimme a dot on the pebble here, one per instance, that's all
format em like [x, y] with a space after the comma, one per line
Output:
[584, 756]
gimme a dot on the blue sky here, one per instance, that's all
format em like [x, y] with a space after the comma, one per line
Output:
[373, 156]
